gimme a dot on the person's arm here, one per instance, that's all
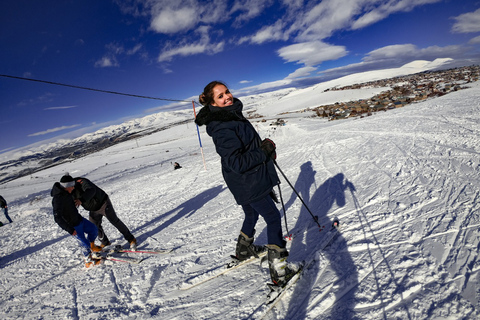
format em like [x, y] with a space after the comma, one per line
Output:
[88, 190]
[238, 157]
[58, 212]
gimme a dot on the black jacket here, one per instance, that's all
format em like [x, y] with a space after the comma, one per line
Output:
[247, 171]
[64, 211]
[3, 202]
[92, 197]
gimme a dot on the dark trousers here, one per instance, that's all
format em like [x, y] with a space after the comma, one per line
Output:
[5, 211]
[268, 210]
[108, 211]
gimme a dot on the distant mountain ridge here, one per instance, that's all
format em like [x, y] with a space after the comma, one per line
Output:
[32, 160]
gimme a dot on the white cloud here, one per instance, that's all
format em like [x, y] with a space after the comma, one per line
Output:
[53, 130]
[44, 98]
[203, 45]
[311, 53]
[106, 61]
[268, 33]
[475, 40]
[173, 16]
[384, 8]
[301, 72]
[250, 9]
[305, 22]
[392, 51]
[170, 20]
[135, 49]
[114, 50]
[321, 20]
[60, 108]
[265, 86]
[190, 49]
[409, 52]
[398, 55]
[302, 22]
[467, 22]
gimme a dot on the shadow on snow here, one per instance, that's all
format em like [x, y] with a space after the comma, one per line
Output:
[307, 237]
[187, 209]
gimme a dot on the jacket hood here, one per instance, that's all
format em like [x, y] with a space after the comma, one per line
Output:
[230, 113]
[57, 189]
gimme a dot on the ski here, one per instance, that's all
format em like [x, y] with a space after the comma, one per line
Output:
[162, 251]
[122, 259]
[119, 249]
[232, 265]
[277, 292]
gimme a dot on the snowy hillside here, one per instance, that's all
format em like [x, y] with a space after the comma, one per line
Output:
[404, 184]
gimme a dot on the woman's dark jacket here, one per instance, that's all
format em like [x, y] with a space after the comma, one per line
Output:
[247, 171]
[65, 212]
[91, 196]
[3, 202]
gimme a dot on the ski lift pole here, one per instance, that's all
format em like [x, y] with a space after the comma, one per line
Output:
[198, 134]
[298, 195]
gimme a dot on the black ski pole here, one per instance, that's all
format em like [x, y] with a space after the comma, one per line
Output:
[298, 195]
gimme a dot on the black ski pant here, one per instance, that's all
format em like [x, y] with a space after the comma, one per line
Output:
[268, 210]
[108, 211]
[5, 211]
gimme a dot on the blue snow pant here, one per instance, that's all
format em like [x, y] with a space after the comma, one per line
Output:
[268, 210]
[5, 211]
[86, 227]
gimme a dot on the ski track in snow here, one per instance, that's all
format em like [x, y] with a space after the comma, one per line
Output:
[404, 184]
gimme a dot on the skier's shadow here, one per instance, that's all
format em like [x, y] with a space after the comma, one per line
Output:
[183, 211]
[306, 241]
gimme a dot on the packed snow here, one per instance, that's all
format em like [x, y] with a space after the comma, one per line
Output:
[404, 184]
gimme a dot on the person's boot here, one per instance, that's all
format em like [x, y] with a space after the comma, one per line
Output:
[133, 244]
[91, 262]
[94, 247]
[280, 272]
[246, 249]
[106, 244]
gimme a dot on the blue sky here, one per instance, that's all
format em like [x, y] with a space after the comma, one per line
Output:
[171, 49]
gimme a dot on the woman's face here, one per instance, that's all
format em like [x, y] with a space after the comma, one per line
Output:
[221, 96]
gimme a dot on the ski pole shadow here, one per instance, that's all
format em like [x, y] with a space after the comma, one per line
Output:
[307, 238]
[187, 208]
[369, 235]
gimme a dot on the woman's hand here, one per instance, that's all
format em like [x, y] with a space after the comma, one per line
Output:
[268, 147]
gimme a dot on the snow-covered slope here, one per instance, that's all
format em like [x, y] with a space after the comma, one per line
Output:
[404, 183]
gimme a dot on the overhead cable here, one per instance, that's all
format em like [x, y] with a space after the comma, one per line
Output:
[91, 89]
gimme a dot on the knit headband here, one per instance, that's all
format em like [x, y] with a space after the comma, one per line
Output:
[68, 184]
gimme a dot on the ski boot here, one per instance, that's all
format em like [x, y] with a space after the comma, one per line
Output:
[91, 262]
[280, 271]
[133, 244]
[103, 245]
[94, 247]
[246, 249]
